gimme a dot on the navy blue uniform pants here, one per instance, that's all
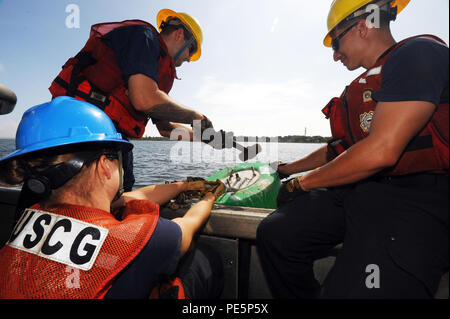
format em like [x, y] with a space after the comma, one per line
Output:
[200, 270]
[398, 225]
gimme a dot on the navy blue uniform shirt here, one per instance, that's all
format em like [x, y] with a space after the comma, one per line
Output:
[159, 257]
[417, 71]
[137, 49]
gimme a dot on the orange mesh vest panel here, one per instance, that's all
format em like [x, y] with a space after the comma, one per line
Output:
[72, 251]
[351, 115]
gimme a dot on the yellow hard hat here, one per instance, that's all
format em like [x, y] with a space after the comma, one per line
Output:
[341, 9]
[166, 14]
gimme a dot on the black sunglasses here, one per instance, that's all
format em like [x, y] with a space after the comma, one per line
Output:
[193, 48]
[92, 157]
[335, 43]
[189, 37]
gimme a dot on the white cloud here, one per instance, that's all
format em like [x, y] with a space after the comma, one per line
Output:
[274, 25]
[2, 68]
[262, 108]
[253, 95]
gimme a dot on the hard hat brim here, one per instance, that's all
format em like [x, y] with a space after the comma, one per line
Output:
[334, 21]
[69, 143]
[166, 13]
[88, 125]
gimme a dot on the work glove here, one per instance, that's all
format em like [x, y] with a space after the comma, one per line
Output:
[224, 140]
[217, 188]
[280, 174]
[289, 190]
[198, 185]
[215, 139]
[205, 124]
[218, 139]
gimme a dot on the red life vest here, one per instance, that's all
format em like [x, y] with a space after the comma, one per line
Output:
[94, 75]
[351, 115]
[72, 251]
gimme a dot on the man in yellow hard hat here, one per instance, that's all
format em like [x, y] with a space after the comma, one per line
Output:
[380, 186]
[128, 68]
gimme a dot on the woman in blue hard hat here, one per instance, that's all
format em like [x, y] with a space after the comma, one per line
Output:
[68, 244]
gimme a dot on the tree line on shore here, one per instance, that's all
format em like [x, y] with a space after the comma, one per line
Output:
[279, 139]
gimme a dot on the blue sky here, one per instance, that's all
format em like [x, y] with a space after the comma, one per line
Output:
[263, 70]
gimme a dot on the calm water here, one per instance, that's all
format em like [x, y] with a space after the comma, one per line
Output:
[159, 161]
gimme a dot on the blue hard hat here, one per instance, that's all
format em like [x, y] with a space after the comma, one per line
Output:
[64, 121]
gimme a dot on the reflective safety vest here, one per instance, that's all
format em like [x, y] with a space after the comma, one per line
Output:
[351, 115]
[94, 75]
[72, 251]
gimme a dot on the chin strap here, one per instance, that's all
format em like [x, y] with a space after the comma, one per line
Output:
[121, 189]
[41, 183]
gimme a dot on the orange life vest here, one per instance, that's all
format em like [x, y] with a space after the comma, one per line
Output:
[169, 288]
[351, 115]
[72, 251]
[94, 75]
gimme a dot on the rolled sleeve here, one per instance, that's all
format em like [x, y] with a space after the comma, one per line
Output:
[417, 71]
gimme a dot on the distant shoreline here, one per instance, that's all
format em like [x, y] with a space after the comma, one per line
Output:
[263, 139]
[279, 139]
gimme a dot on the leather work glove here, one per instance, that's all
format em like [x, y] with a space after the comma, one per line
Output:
[216, 139]
[280, 174]
[205, 124]
[289, 190]
[196, 186]
[217, 188]
[218, 142]
[212, 137]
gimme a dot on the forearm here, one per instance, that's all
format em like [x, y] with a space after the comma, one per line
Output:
[199, 213]
[360, 161]
[193, 220]
[309, 162]
[170, 110]
[182, 132]
[394, 125]
[159, 194]
[146, 97]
